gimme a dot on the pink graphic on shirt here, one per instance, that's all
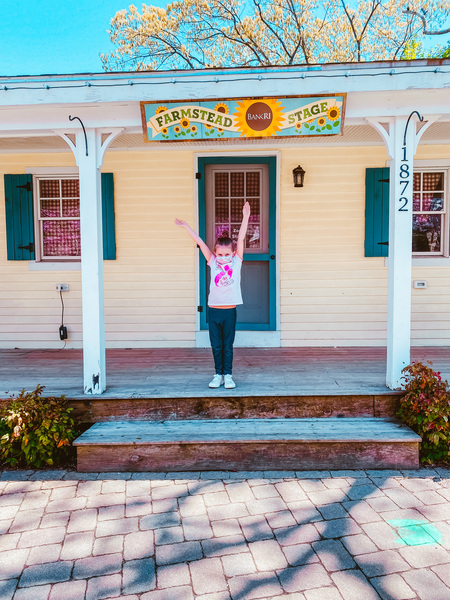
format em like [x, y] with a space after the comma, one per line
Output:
[224, 277]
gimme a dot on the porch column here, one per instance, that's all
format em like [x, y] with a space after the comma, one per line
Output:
[401, 140]
[400, 259]
[94, 359]
[89, 151]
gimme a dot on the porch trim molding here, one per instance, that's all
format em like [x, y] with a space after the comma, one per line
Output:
[401, 142]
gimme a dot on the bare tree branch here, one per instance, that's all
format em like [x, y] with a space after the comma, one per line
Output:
[269, 26]
[424, 21]
[193, 34]
[301, 39]
[351, 19]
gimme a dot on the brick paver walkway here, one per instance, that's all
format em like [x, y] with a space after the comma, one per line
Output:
[341, 535]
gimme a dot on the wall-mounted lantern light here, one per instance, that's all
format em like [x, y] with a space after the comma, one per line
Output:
[299, 176]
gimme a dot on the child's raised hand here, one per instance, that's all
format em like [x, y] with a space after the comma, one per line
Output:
[180, 222]
[246, 209]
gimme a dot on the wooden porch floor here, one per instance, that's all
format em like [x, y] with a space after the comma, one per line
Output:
[178, 372]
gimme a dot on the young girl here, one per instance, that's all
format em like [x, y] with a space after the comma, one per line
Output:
[224, 296]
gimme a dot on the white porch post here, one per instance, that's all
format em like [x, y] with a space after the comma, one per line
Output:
[401, 140]
[94, 358]
[89, 151]
[400, 244]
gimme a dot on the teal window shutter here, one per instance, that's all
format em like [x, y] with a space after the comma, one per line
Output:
[19, 217]
[109, 220]
[377, 212]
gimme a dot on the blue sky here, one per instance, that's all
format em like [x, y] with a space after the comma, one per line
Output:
[40, 37]
[56, 36]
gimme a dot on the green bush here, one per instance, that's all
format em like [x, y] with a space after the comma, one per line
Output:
[425, 408]
[36, 431]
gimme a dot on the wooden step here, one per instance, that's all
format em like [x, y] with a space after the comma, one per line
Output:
[248, 444]
[229, 404]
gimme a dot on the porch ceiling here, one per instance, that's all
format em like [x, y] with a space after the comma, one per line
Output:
[438, 133]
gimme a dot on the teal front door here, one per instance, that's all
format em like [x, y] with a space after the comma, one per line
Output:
[225, 184]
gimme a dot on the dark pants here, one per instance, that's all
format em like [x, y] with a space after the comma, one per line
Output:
[222, 327]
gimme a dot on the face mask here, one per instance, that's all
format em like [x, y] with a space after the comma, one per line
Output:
[224, 260]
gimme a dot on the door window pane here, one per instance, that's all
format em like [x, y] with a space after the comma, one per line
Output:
[253, 237]
[222, 231]
[236, 209]
[222, 210]
[235, 232]
[255, 210]
[231, 190]
[253, 184]
[237, 184]
[221, 185]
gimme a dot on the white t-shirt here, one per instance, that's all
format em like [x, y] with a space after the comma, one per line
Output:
[225, 286]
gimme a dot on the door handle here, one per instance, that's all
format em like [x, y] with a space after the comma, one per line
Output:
[272, 257]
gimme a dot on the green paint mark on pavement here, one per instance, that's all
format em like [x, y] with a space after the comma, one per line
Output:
[415, 533]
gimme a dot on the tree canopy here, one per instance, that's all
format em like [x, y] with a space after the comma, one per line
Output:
[196, 34]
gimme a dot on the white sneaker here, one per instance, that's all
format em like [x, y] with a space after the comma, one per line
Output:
[229, 383]
[216, 381]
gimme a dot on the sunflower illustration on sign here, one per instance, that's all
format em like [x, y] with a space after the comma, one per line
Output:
[258, 118]
[333, 113]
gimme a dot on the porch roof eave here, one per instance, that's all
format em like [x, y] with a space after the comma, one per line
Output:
[100, 88]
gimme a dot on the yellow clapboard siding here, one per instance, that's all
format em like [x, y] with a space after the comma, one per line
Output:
[329, 293]
[437, 334]
[146, 289]
[432, 324]
[334, 326]
[168, 339]
[35, 336]
[168, 306]
[325, 232]
[317, 311]
[39, 327]
[189, 343]
[329, 319]
[151, 329]
[31, 312]
[145, 280]
[144, 293]
[327, 337]
[37, 321]
[322, 226]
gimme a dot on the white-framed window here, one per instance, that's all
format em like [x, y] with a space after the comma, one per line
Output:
[57, 217]
[431, 222]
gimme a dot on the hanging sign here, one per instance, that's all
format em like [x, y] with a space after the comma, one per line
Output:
[243, 118]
